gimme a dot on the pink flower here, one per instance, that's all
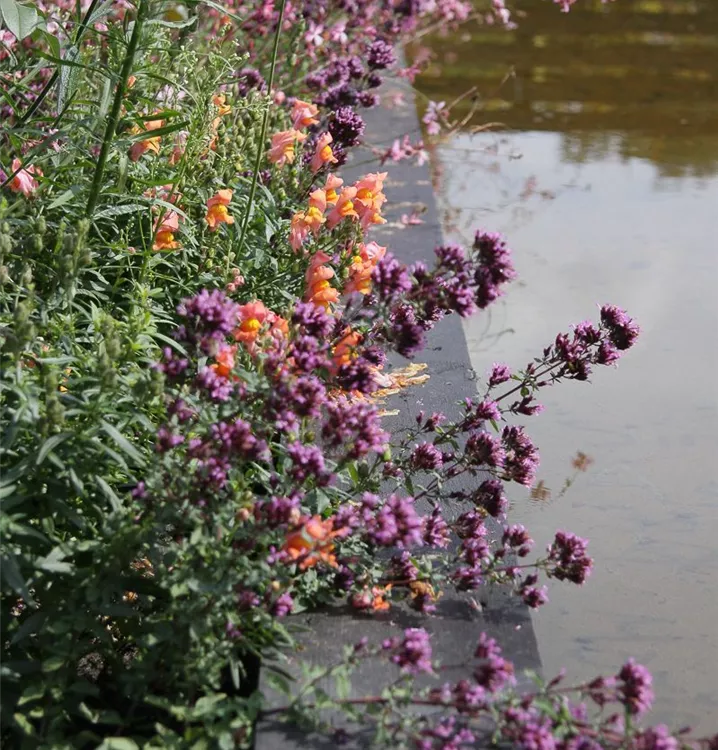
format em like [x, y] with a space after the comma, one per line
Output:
[304, 114]
[24, 182]
[323, 153]
[283, 146]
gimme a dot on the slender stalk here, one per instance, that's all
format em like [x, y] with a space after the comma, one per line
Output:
[114, 116]
[262, 138]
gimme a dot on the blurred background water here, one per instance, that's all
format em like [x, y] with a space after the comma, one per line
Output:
[604, 176]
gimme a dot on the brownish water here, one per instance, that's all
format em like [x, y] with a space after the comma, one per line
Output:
[605, 180]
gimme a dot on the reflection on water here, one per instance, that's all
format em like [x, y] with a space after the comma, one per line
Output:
[612, 202]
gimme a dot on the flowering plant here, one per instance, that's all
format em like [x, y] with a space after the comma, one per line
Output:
[196, 327]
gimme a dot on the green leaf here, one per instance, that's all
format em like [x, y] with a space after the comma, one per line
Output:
[24, 724]
[53, 563]
[49, 444]
[158, 132]
[30, 626]
[21, 20]
[63, 198]
[109, 493]
[118, 743]
[11, 573]
[68, 77]
[123, 442]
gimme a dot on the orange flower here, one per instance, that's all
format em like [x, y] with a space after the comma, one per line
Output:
[370, 198]
[311, 543]
[363, 263]
[217, 212]
[252, 317]
[343, 208]
[283, 146]
[219, 101]
[344, 351]
[164, 232]
[302, 223]
[148, 144]
[179, 147]
[373, 599]
[330, 189]
[224, 361]
[24, 182]
[319, 290]
[323, 153]
[304, 114]
[318, 199]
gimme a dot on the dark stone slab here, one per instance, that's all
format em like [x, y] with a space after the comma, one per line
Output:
[459, 620]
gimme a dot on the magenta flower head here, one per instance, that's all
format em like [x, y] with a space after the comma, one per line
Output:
[569, 557]
[634, 688]
[412, 652]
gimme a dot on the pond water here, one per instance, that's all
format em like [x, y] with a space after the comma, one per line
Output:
[604, 177]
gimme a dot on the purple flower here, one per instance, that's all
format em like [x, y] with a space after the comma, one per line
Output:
[217, 388]
[346, 126]
[495, 267]
[483, 449]
[622, 330]
[396, 523]
[403, 568]
[657, 738]
[534, 597]
[209, 318]
[406, 334]
[307, 461]
[413, 652]
[313, 320]
[380, 55]
[232, 631]
[490, 496]
[569, 557]
[368, 100]
[487, 648]
[355, 424]
[436, 530]
[167, 439]
[425, 457]
[469, 696]
[517, 538]
[390, 278]
[308, 354]
[477, 414]
[634, 687]
[494, 673]
[500, 373]
[452, 258]
[536, 734]
[468, 578]
[171, 365]
[236, 439]
[283, 606]
[522, 457]
[248, 79]
[357, 375]
[304, 396]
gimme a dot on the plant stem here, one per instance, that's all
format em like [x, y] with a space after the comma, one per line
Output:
[114, 116]
[262, 138]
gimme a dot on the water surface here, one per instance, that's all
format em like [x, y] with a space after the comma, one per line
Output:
[605, 180]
